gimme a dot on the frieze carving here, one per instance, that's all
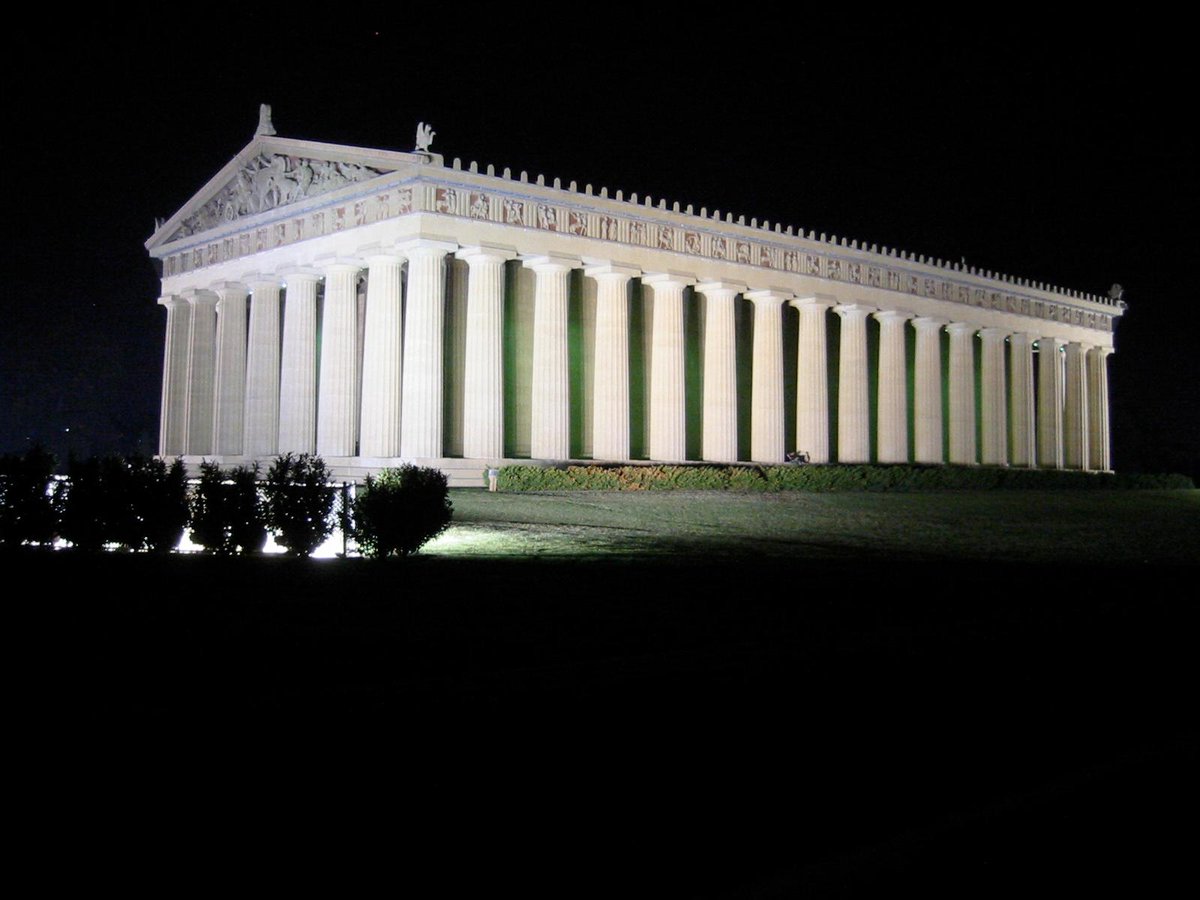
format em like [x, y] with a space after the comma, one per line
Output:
[268, 182]
[547, 218]
[276, 184]
[445, 200]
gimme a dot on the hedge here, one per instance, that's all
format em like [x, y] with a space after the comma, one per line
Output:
[821, 478]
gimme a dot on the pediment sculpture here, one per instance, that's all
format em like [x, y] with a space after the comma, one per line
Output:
[268, 182]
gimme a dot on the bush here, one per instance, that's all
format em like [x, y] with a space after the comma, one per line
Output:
[228, 515]
[701, 477]
[299, 502]
[137, 502]
[28, 498]
[400, 511]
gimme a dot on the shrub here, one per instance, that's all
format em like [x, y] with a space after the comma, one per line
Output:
[28, 498]
[247, 512]
[822, 478]
[228, 514]
[137, 502]
[208, 509]
[400, 510]
[299, 502]
[160, 503]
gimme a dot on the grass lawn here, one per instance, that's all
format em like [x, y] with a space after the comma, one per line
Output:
[1107, 527]
[662, 694]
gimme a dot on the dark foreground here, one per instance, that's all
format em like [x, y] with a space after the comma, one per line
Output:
[668, 728]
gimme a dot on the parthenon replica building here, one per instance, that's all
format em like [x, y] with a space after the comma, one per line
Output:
[376, 306]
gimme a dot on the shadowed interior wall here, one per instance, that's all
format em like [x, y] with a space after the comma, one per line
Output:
[693, 341]
[518, 359]
[791, 341]
[454, 355]
[639, 366]
[743, 323]
[833, 355]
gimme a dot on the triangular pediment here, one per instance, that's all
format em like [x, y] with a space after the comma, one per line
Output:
[273, 172]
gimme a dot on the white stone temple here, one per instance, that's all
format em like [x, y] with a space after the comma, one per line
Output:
[376, 307]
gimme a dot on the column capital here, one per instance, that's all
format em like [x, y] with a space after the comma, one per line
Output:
[1083, 346]
[826, 300]
[961, 328]
[257, 280]
[994, 334]
[1019, 336]
[720, 287]
[425, 246]
[602, 269]
[767, 296]
[665, 279]
[853, 310]
[171, 301]
[927, 322]
[197, 296]
[551, 262]
[485, 252]
[226, 288]
[1102, 350]
[333, 263]
[892, 315]
[298, 273]
[1055, 342]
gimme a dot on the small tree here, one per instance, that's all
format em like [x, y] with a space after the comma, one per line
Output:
[299, 502]
[401, 510]
[247, 511]
[158, 504]
[208, 509]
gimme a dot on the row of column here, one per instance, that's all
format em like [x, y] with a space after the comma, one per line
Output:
[228, 392]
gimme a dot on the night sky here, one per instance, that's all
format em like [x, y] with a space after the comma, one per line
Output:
[1060, 155]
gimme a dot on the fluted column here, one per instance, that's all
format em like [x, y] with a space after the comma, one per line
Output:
[1050, 405]
[483, 368]
[962, 393]
[229, 383]
[261, 430]
[337, 399]
[812, 379]
[719, 431]
[610, 405]
[1075, 419]
[379, 431]
[854, 407]
[421, 416]
[766, 381]
[1024, 434]
[200, 365]
[172, 429]
[550, 416]
[928, 446]
[1098, 436]
[298, 371]
[668, 411]
[893, 387]
[994, 420]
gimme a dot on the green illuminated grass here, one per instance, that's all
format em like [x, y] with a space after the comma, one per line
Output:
[1138, 526]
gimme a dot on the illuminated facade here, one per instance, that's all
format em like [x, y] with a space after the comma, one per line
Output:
[376, 306]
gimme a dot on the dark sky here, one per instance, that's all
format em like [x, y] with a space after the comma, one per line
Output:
[1063, 154]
